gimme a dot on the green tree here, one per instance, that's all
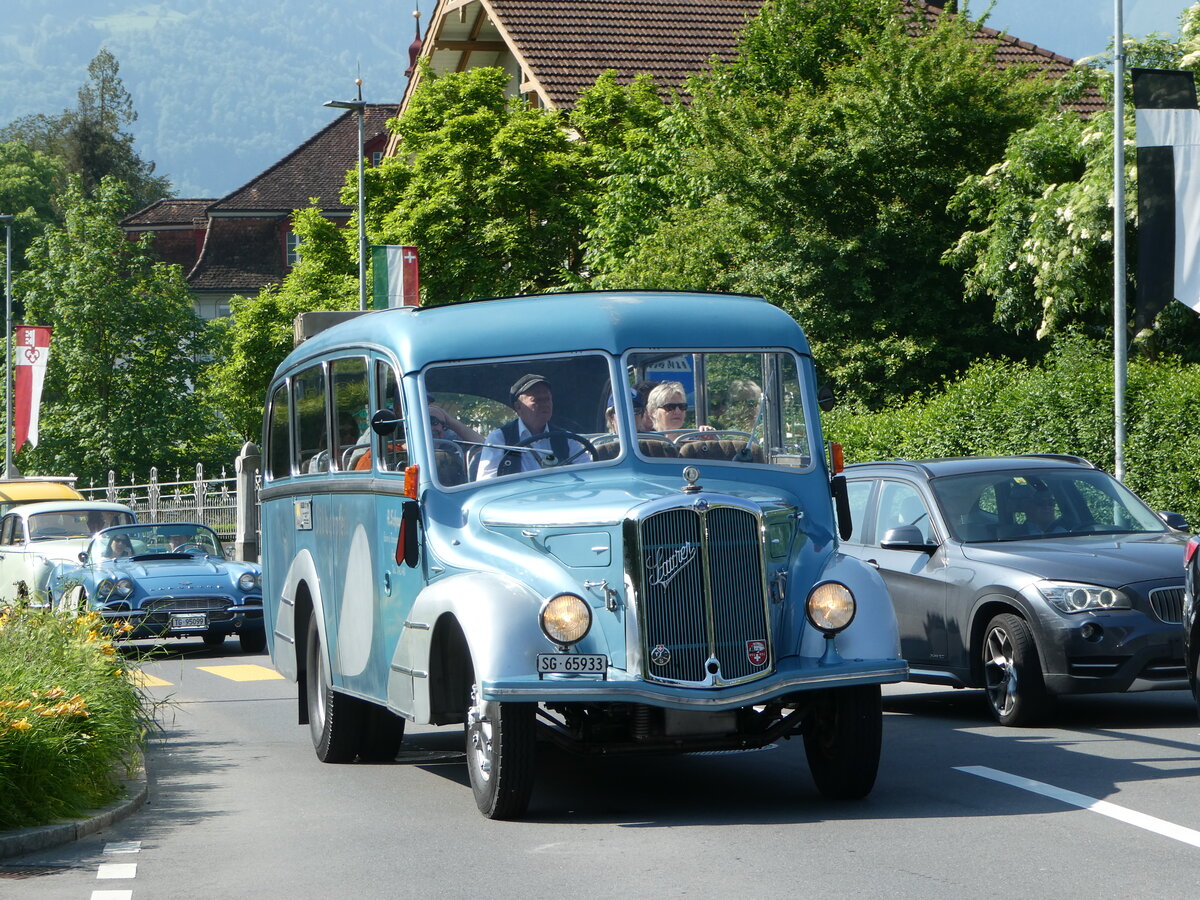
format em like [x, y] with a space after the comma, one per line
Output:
[493, 192]
[27, 179]
[125, 350]
[1039, 245]
[258, 333]
[90, 139]
[822, 184]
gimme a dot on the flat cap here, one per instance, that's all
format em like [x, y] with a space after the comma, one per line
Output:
[525, 382]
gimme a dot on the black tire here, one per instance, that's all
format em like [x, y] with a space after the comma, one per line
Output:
[1012, 673]
[842, 740]
[334, 720]
[500, 744]
[383, 731]
[253, 641]
[213, 639]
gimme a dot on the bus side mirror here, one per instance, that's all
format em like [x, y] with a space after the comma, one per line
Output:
[384, 422]
[825, 398]
[408, 551]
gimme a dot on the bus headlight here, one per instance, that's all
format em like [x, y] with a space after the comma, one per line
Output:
[830, 607]
[566, 619]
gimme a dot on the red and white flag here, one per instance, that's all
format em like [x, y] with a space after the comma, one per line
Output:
[31, 351]
[396, 276]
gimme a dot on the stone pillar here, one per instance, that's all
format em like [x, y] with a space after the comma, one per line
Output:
[245, 544]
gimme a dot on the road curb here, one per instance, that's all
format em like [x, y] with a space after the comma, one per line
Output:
[29, 840]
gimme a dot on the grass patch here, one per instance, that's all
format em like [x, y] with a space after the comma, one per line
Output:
[72, 720]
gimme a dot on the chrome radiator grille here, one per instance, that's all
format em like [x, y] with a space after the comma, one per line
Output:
[1168, 604]
[702, 597]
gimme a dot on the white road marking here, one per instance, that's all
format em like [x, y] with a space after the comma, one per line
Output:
[112, 895]
[123, 847]
[1103, 807]
[117, 870]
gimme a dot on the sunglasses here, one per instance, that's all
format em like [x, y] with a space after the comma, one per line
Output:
[675, 407]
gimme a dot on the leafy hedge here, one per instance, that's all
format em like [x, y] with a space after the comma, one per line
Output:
[71, 716]
[1063, 405]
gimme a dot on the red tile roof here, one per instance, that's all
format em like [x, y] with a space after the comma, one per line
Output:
[168, 211]
[568, 44]
[317, 168]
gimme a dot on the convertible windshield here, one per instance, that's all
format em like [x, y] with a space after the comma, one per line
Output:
[1024, 505]
[140, 540]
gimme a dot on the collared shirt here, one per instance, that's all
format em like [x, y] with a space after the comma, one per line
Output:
[490, 456]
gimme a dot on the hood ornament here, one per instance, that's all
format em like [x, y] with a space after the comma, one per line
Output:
[690, 474]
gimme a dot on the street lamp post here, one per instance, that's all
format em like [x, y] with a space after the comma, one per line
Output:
[8, 372]
[360, 107]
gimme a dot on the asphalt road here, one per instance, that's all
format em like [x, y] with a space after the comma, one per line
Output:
[1103, 804]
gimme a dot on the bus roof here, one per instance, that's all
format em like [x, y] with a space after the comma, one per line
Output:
[612, 321]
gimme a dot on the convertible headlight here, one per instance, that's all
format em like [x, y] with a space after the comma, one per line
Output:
[1072, 597]
[124, 587]
[830, 607]
[566, 619]
[105, 588]
[248, 582]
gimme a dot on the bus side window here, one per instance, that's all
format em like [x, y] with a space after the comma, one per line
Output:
[393, 448]
[308, 389]
[279, 454]
[349, 379]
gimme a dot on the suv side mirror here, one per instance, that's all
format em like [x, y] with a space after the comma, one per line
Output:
[906, 537]
[1174, 520]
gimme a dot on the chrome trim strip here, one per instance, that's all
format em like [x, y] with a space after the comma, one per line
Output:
[404, 670]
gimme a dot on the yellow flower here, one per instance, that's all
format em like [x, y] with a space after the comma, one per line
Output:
[21, 704]
[21, 725]
[93, 635]
[54, 693]
[108, 650]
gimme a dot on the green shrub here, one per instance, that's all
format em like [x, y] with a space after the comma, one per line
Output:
[1063, 405]
[71, 716]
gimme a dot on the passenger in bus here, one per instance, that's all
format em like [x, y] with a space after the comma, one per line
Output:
[347, 438]
[667, 408]
[532, 400]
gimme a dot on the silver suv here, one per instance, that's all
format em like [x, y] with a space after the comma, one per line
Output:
[1029, 576]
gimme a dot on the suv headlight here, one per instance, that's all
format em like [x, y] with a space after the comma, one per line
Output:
[830, 607]
[566, 619]
[1073, 597]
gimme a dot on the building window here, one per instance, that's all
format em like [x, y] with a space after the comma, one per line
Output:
[376, 158]
[293, 248]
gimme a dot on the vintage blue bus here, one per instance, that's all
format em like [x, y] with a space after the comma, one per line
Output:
[603, 519]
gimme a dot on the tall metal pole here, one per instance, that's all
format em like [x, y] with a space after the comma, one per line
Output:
[362, 205]
[8, 329]
[360, 107]
[1120, 312]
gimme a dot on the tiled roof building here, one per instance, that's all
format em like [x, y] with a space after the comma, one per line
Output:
[243, 241]
[555, 49]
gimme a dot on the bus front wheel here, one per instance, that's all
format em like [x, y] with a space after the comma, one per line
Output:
[500, 755]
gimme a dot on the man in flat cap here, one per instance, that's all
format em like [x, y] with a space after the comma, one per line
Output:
[533, 402]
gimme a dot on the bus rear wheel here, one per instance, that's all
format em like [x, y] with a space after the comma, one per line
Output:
[334, 720]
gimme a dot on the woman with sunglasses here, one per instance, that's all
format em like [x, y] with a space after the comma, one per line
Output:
[667, 406]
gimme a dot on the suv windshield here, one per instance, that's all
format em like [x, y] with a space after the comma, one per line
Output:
[1023, 505]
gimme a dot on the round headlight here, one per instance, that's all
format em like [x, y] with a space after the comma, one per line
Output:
[566, 619]
[248, 581]
[124, 587]
[105, 587]
[830, 607]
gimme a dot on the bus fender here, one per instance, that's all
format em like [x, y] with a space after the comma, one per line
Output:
[498, 618]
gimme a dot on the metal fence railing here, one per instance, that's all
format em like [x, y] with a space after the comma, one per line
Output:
[209, 500]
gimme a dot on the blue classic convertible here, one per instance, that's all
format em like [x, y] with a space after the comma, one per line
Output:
[169, 580]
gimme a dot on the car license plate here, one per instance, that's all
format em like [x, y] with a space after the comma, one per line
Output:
[195, 620]
[576, 663]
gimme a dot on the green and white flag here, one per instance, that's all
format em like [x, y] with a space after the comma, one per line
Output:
[396, 276]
